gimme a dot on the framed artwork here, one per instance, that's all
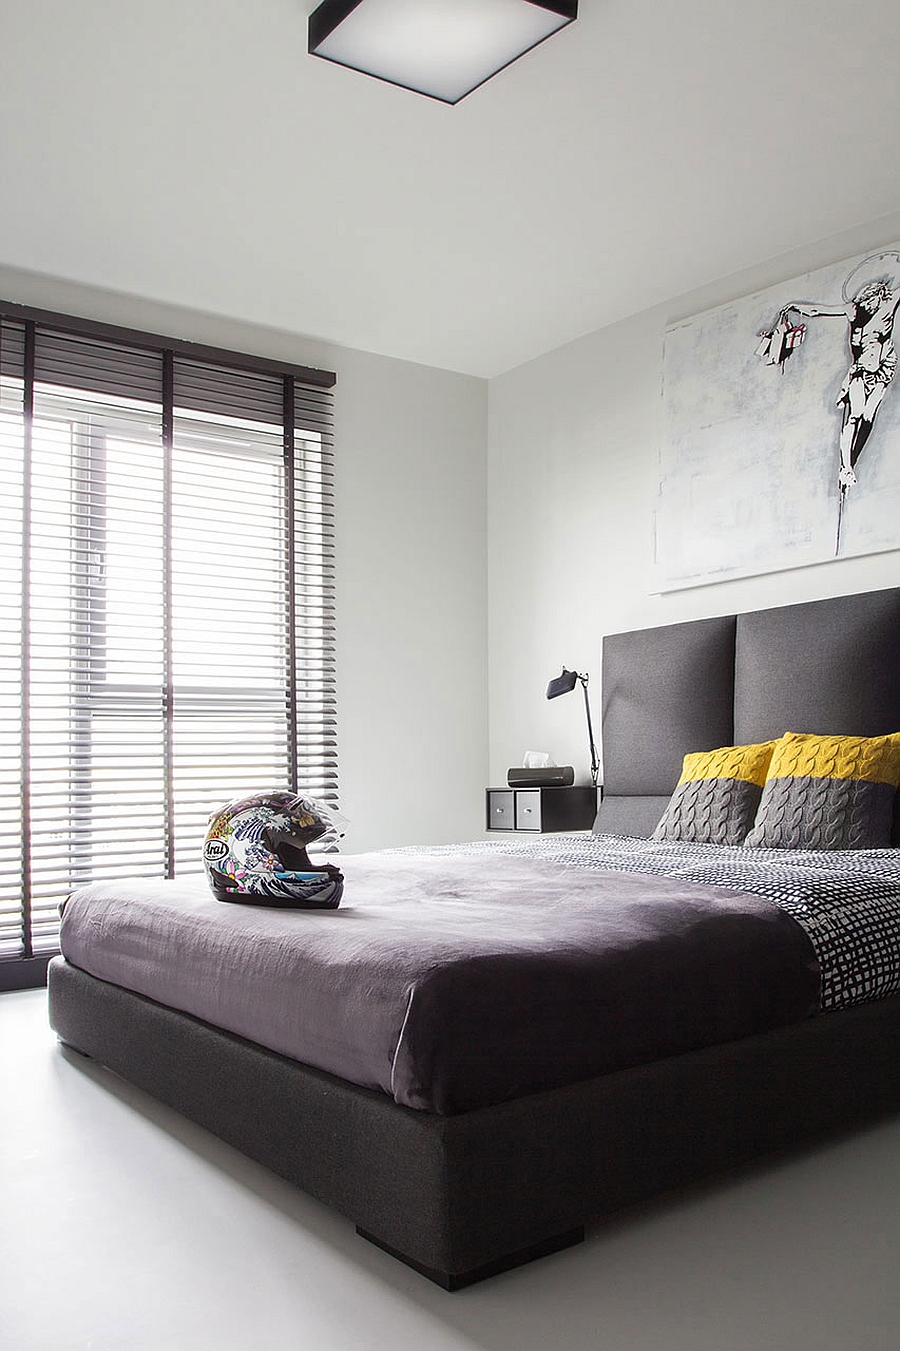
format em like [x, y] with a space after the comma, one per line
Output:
[781, 441]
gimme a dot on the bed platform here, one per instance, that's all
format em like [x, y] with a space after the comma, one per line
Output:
[464, 1196]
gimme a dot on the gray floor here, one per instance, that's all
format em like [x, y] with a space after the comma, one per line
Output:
[123, 1227]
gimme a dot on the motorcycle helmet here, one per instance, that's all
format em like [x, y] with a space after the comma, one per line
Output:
[255, 852]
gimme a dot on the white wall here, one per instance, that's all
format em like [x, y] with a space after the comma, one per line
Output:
[411, 596]
[558, 519]
[573, 450]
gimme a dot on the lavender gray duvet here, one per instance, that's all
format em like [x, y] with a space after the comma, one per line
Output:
[459, 977]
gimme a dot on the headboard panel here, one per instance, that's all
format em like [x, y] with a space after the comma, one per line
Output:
[829, 666]
[663, 689]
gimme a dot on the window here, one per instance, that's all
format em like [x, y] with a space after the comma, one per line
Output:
[166, 605]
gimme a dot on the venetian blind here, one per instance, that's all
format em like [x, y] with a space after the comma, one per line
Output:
[166, 605]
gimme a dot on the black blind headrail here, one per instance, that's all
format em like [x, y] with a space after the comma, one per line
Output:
[167, 631]
[195, 351]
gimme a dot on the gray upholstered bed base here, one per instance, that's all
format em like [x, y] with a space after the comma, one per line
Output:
[463, 1197]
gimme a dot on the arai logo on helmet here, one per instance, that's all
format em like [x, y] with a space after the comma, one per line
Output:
[215, 850]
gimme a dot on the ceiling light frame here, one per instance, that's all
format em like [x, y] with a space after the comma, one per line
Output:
[345, 48]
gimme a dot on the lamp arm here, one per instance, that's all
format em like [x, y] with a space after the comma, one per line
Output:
[595, 759]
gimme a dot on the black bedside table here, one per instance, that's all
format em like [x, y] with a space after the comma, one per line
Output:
[541, 809]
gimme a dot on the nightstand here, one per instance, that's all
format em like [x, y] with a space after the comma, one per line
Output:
[541, 809]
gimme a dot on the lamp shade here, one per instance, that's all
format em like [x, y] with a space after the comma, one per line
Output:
[442, 48]
[563, 684]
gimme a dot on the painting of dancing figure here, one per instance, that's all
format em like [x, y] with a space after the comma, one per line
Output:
[795, 492]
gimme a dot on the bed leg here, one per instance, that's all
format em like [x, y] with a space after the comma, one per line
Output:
[67, 1046]
[456, 1280]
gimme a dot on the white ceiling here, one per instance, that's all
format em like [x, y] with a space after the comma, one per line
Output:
[190, 151]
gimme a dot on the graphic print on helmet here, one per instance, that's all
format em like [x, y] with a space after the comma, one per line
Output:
[255, 852]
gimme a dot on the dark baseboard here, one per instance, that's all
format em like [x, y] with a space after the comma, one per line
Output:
[24, 973]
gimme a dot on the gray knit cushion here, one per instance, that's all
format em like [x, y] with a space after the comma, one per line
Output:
[828, 792]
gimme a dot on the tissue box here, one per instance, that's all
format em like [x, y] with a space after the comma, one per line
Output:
[550, 776]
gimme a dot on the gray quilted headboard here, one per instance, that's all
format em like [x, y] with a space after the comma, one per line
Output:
[828, 666]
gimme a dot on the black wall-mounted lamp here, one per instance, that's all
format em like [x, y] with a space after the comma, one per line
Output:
[442, 48]
[564, 684]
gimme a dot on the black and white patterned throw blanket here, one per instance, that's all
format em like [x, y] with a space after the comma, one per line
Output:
[847, 901]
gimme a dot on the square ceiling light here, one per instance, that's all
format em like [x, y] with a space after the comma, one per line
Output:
[442, 48]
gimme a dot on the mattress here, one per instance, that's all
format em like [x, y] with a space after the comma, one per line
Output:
[457, 978]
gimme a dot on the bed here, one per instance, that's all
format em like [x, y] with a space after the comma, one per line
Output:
[468, 1181]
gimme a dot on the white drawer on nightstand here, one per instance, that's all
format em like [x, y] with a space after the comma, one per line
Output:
[528, 809]
[501, 809]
